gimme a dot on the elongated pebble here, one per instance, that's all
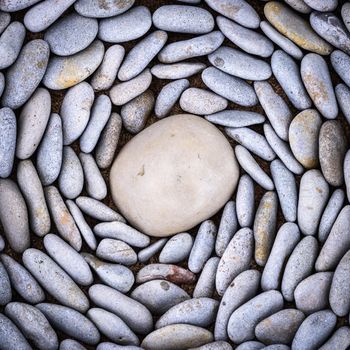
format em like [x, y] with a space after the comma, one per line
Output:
[276, 109]
[205, 285]
[339, 340]
[249, 164]
[146, 253]
[11, 338]
[65, 72]
[321, 5]
[106, 73]
[176, 249]
[216, 345]
[6, 292]
[32, 123]
[94, 182]
[71, 344]
[8, 135]
[343, 97]
[70, 322]
[315, 329]
[113, 346]
[128, 26]
[240, 64]
[33, 193]
[54, 279]
[63, 220]
[250, 345]
[317, 80]
[265, 226]
[183, 19]
[5, 19]
[234, 89]
[116, 276]
[22, 281]
[2, 243]
[269, 303]
[2, 83]
[299, 5]
[235, 118]
[116, 251]
[177, 70]
[202, 246]
[94, 8]
[245, 201]
[345, 14]
[341, 62]
[33, 324]
[12, 6]
[14, 216]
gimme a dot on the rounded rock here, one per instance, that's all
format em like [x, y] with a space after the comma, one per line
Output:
[109, 8]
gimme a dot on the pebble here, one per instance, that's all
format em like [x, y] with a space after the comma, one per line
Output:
[33, 193]
[33, 324]
[22, 281]
[339, 294]
[253, 311]
[240, 64]
[11, 42]
[235, 118]
[249, 164]
[322, 5]
[227, 228]
[112, 346]
[312, 293]
[317, 80]
[32, 123]
[108, 8]
[250, 345]
[99, 115]
[238, 10]
[116, 276]
[341, 62]
[339, 340]
[63, 220]
[2, 243]
[234, 89]
[286, 189]
[276, 109]
[70, 344]
[147, 253]
[177, 70]
[245, 202]
[128, 26]
[332, 149]
[172, 273]
[216, 345]
[135, 113]
[199, 101]
[124, 92]
[65, 72]
[331, 28]
[299, 5]
[303, 137]
[345, 13]
[295, 28]
[337, 243]
[265, 227]
[5, 292]
[70, 322]
[116, 251]
[244, 287]
[248, 40]
[8, 135]
[54, 279]
[314, 330]
[12, 6]
[287, 73]
[177, 336]
[183, 19]
[5, 19]
[284, 43]
[313, 197]
[347, 173]
[2, 83]
[203, 246]
[14, 216]
[95, 184]
[106, 73]
[50, 151]
[205, 285]
[279, 327]
[42, 15]
[199, 46]
[69, 259]
[236, 259]
[286, 239]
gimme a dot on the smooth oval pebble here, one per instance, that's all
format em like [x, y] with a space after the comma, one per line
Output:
[5, 20]
[235, 118]
[112, 346]
[150, 251]
[322, 5]
[2, 83]
[250, 345]
[5, 284]
[345, 13]
[216, 345]
[347, 173]
[109, 8]
[205, 285]
[341, 62]
[12, 6]
[177, 70]
[70, 344]
[245, 203]
[339, 340]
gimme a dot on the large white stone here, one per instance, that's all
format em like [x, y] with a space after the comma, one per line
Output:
[173, 175]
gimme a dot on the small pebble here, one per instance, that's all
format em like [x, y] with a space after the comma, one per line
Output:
[11, 337]
[339, 340]
[116, 251]
[345, 13]
[341, 62]
[5, 284]
[205, 285]
[177, 70]
[109, 8]
[250, 345]
[70, 344]
[322, 5]
[5, 19]
[150, 251]
[245, 203]
[216, 345]
[235, 118]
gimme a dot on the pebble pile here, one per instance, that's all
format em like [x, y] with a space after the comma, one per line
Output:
[225, 227]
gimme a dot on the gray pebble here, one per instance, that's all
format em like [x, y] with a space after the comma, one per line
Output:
[176, 249]
[112, 346]
[148, 252]
[2, 83]
[70, 322]
[205, 285]
[250, 345]
[54, 279]
[341, 63]
[235, 118]
[347, 173]
[2, 243]
[216, 345]
[177, 70]
[109, 8]
[339, 340]
[5, 284]
[322, 5]
[14, 216]
[5, 19]
[345, 13]
[116, 251]
[245, 201]
[343, 96]
[70, 344]
[23, 77]
[16, 5]
[128, 26]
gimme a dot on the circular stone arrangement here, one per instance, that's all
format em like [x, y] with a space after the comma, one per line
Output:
[174, 174]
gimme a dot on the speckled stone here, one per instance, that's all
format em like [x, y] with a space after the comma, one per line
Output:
[70, 344]
[2, 83]
[322, 5]
[341, 63]
[5, 19]
[112, 346]
[345, 14]
[6, 292]
[147, 253]
[339, 340]
[16, 5]
[250, 345]
[176, 249]
[347, 173]
[245, 203]
[205, 285]
[216, 345]
[177, 70]
[235, 118]
[11, 337]
[108, 8]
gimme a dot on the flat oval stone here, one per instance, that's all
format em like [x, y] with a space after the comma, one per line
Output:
[235, 118]
[147, 253]
[174, 135]
[5, 19]
[98, 9]
[2, 83]
[205, 286]
[245, 201]
[347, 173]
[11, 337]
[341, 63]
[5, 284]
[70, 344]
[250, 345]
[176, 249]
[345, 14]
[23, 77]
[71, 34]
[183, 19]
[128, 26]
[177, 70]
[322, 5]
[113, 346]
[295, 28]
[216, 345]
[339, 340]
[12, 6]
[64, 72]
